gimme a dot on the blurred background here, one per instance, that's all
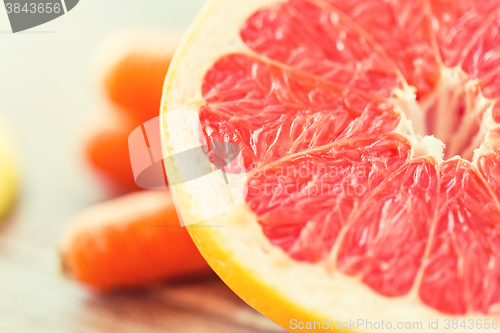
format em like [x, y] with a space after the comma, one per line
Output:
[48, 96]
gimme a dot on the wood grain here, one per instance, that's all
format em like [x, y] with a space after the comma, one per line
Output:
[36, 298]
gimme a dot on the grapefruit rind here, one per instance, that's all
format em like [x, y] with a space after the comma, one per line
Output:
[233, 243]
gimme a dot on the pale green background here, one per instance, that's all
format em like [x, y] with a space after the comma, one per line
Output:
[48, 94]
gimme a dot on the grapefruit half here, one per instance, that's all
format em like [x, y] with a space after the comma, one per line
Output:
[370, 135]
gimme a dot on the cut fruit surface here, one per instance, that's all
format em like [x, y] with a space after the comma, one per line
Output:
[370, 135]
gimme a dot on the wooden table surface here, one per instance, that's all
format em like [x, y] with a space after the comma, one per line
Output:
[36, 298]
[49, 96]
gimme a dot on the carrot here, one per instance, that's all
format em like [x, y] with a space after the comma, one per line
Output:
[106, 149]
[128, 242]
[133, 80]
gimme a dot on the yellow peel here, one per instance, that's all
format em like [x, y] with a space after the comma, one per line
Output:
[233, 243]
[8, 172]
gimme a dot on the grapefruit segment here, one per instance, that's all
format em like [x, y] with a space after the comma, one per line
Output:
[335, 88]
[303, 202]
[402, 32]
[310, 37]
[496, 111]
[458, 22]
[489, 166]
[384, 245]
[271, 112]
[490, 86]
[482, 59]
[462, 272]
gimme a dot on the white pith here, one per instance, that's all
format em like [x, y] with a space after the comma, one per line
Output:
[316, 288]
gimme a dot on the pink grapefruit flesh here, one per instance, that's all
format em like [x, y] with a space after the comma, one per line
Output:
[318, 105]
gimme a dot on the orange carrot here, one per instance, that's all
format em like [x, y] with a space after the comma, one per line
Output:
[134, 79]
[107, 151]
[131, 241]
